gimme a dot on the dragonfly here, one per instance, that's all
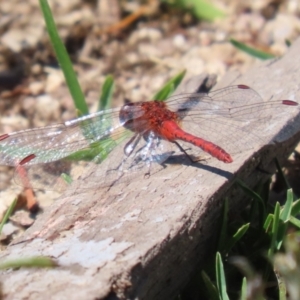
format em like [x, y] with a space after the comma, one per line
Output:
[219, 123]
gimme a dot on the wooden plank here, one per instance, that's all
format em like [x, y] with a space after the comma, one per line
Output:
[143, 239]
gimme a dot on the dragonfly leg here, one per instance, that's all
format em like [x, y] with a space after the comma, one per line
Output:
[190, 158]
[183, 151]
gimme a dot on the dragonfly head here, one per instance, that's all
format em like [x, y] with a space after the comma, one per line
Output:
[129, 115]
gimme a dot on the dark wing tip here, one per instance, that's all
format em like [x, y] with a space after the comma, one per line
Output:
[27, 159]
[243, 86]
[285, 102]
[4, 136]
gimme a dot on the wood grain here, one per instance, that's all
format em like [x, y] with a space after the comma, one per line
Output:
[144, 239]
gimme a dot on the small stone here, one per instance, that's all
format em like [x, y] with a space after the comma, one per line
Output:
[36, 69]
[54, 80]
[13, 39]
[14, 123]
[19, 39]
[47, 107]
[179, 42]
[149, 33]
[36, 88]
[22, 218]
[9, 229]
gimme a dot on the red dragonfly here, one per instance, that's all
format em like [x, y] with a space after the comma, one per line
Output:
[217, 123]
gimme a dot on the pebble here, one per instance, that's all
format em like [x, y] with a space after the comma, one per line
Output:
[36, 88]
[14, 123]
[7, 197]
[22, 218]
[54, 80]
[8, 230]
[180, 42]
[19, 39]
[281, 28]
[47, 108]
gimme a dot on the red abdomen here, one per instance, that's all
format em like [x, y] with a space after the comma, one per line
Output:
[171, 130]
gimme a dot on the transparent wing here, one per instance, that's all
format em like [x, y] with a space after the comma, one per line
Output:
[235, 118]
[55, 142]
[236, 103]
[59, 174]
[42, 155]
[145, 159]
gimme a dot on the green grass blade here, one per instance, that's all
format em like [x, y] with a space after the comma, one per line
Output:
[268, 222]
[274, 233]
[32, 262]
[64, 59]
[201, 9]
[295, 222]
[296, 208]
[205, 10]
[106, 93]
[165, 92]
[223, 229]
[220, 276]
[284, 217]
[263, 190]
[98, 151]
[244, 289]
[211, 288]
[287, 208]
[169, 87]
[255, 196]
[237, 236]
[281, 233]
[251, 51]
[8, 214]
[67, 178]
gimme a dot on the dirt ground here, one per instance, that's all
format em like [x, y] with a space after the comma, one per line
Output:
[141, 55]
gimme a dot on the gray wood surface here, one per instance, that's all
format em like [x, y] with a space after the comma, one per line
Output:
[143, 239]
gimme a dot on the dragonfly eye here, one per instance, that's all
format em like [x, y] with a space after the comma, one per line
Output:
[127, 115]
[130, 113]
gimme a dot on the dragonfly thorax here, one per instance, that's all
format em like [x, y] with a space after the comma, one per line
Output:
[142, 117]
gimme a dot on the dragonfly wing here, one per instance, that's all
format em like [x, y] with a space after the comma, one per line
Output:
[17, 145]
[235, 118]
[237, 103]
[49, 157]
[230, 137]
[55, 142]
[52, 143]
[57, 175]
[43, 154]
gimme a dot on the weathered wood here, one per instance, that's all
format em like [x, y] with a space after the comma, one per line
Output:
[143, 240]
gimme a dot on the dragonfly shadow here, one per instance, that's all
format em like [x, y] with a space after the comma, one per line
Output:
[184, 160]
